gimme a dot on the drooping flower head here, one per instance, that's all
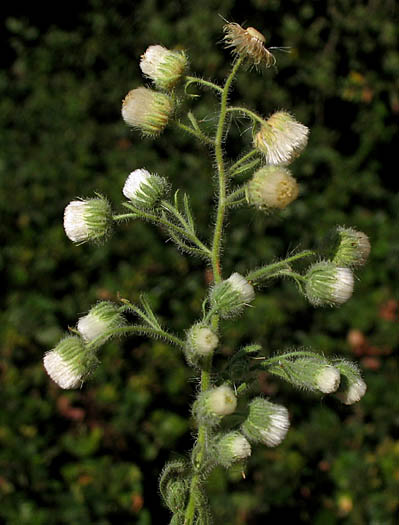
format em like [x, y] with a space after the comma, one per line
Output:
[272, 187]
[354, 248]
[353, 387]
[281, 139]
[164, 67]
[69, 362]
[230, 296]
[266, 423]
[232, 447]
[328, 284]
[147, 110]
[102, 317]
[144, 189]
[248, 44]
[87, 220]
[215, 403]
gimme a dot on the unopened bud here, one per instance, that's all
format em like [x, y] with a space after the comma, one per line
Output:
[164, 67]
[201, 342]
[309, 373]
[272, 187]
[215, 403]
[328, 284]
[266, 423]
[230, 296]
[144, 189]
[69, 362]
[232, 447]
[281, 138]
[87, 220]
[353, 249]
[103, 317]
[147, 110]
[353, 387]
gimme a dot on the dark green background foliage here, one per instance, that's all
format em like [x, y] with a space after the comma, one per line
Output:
[94, 455]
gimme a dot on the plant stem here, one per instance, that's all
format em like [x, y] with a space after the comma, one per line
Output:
[217, 276]
[201, 81]
[243, 159]
[265, 271]
[217, 238]
[248, 112]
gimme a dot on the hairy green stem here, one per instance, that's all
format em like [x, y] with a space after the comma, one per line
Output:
[217, 276]
[196, 132]
[266, 271]
[243, 159]
[201, 81]
[248, 112]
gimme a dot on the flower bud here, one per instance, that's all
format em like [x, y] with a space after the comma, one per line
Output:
[272, 187]
[164, 67]
[215, 403]
[69, 363]
[266, 423]
[328, 284]
[87, 220]
[144, 189]
[232, 447]
[147, 110]
[201, 342]
[102, 317]
[311, 373]
[281, 138]
[230, 296]
[353, 387]
[353, 249]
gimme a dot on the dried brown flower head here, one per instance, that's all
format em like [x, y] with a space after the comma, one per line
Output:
[248, 44]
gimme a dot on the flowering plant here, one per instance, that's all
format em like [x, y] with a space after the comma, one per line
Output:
[267, 184]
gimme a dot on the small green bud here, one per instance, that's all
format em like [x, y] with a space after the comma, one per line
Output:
[272, 187]
[353, 249]
[231, 448]
[213, 404]
[102, 317]
[69, 363]
[174, 485]
[328, 284]
[281, 139]
[144, 189]
[230, 296]
[266, 423]
[311, 373]
[164, 67]
[353, 387]
[147, 110]
[87, 220]
[201, 342]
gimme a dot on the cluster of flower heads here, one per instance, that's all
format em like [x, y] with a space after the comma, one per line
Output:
[75, 356]
[148, 110]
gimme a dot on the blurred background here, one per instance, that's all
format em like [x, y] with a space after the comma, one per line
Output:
[94, 455]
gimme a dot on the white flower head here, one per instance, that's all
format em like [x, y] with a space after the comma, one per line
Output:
[101, 318]
[266, 423]
[221, 401]
[352, 387]
[147, 110]
[144, 189]
[69, 363]
[232, 447]
[327, 284]
[328, 379]
[281, 138]
[354, 393]
[240, 285]
[86, 220]
[272, 187]
[164, 67]
[134, 182]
